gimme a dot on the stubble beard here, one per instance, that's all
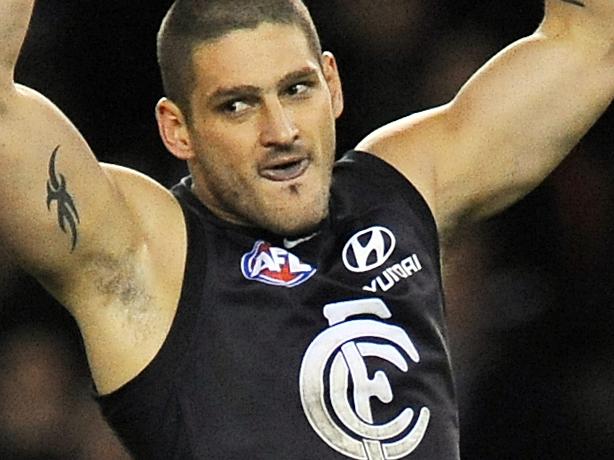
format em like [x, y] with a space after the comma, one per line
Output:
[298, 219]
[298, 212]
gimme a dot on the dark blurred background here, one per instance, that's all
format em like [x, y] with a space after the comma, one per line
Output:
[530, 293]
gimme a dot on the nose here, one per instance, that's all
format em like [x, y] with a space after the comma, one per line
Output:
[278, 128]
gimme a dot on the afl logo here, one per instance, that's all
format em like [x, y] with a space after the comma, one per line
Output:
[368, 249]
[275, 266]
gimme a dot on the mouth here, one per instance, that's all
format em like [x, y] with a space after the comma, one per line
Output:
[284, 169]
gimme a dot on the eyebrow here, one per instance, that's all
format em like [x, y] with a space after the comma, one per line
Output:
[230, 92]
[233, 92]
[305, 72]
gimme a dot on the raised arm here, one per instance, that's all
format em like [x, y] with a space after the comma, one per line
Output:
[513, 121]
[54, 193]
[105, 241]
[89, 232]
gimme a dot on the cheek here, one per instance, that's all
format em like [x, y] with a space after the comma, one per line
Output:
[325, 112]
[326, 126]
[320, 121]
[228, 148]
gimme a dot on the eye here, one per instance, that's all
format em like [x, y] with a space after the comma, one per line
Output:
[235, 107]
[299, 89]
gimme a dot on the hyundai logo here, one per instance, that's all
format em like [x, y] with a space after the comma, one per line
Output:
[368, 249]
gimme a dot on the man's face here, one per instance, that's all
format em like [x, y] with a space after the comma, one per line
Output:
[262, 128]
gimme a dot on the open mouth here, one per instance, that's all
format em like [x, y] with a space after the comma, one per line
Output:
[284, 169]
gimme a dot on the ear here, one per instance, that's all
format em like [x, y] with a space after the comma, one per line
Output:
[331, 74]
[174, 129]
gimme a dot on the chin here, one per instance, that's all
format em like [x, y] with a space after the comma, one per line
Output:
[298, 211]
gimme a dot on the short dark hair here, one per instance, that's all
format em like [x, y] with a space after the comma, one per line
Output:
[190, 23]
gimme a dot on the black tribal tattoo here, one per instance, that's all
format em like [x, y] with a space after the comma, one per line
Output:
[575, 2]
[56, 191]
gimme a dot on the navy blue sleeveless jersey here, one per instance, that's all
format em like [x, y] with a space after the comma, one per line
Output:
[327, 347]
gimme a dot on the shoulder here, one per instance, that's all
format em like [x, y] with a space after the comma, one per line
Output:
[135, 185]
[416, 146]
[156, 209]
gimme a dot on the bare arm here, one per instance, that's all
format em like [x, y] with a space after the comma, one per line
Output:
[61, 210]
[107, 242]
[514, 121]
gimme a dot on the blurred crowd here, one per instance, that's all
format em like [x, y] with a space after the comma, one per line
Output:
[530, 294]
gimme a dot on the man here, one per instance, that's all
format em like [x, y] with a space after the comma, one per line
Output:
[269, 307]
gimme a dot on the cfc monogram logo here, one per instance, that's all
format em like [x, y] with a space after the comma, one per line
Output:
[340, 351]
